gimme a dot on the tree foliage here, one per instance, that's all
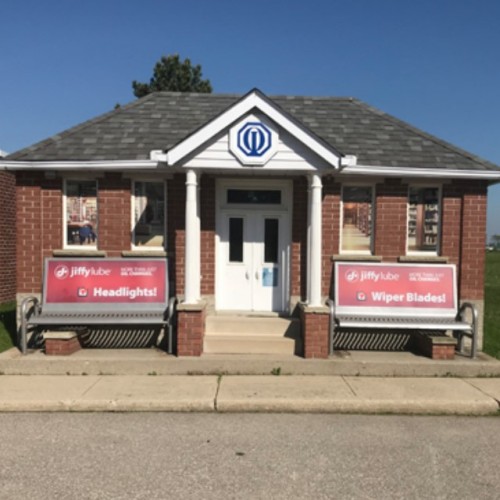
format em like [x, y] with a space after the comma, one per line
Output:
[172, 74]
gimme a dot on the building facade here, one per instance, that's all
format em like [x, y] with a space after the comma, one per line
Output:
[252, 199]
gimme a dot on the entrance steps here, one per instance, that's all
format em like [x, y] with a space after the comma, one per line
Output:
[243, 334]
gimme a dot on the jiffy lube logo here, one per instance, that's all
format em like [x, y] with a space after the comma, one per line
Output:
[353, 276]
[61, 272]
[253, 141]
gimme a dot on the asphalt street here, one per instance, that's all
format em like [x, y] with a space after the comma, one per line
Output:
[164, 455]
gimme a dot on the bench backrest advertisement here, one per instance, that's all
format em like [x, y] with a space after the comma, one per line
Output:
[395, 289]
[105, 283]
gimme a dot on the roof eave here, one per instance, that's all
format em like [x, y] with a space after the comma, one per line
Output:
[422, 172]
[104, 165]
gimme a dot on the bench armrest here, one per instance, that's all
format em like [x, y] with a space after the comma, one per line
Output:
[29, 306]
[473, 334]
[171, 317]
[331, 305]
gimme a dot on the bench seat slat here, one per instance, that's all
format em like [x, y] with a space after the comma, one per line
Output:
[403, 323]
[100, 318]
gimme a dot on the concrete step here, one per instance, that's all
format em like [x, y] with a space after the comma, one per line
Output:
[251, 344]
[238, 334]
[252, 325]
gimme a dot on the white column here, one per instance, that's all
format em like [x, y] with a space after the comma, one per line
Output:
[192, 241]
[308, 260]
[315, 245]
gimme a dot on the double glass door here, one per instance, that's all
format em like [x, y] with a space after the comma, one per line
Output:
[251, 262]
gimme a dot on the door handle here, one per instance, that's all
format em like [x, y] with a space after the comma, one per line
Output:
[247, 276]
[256, 275]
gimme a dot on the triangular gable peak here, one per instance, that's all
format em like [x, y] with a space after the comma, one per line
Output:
[254, 133]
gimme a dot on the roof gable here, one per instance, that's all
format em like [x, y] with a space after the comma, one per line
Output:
[253, 102]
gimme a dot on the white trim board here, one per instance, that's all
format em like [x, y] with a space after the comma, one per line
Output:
[416, 172]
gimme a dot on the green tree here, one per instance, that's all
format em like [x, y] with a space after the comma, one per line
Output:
[170, 73]
[496, 240]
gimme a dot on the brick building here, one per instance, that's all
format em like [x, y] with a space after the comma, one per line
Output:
[251, 198]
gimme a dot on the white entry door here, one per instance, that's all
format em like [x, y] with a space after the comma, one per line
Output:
[252, 261]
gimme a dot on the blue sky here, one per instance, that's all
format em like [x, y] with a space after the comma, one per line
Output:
[433, 63]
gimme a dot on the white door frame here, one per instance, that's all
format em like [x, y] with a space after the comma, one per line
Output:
[284, 211]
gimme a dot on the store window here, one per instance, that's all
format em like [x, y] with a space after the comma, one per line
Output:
[423, 219]
[357, 219]
[148, 224]
[81, 213]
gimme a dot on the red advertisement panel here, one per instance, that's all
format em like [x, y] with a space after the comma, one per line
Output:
[101, 281]
[395, 286]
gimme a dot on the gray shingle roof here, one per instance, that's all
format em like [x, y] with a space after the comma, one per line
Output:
[161, 120]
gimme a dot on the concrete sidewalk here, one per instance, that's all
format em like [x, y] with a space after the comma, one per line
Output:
[250, 393]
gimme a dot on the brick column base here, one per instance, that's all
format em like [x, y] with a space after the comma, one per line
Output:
[315, 325]
[61, 343]
[435, 346]
[190, 329]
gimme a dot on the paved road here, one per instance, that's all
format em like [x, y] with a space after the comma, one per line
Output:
[161, 455]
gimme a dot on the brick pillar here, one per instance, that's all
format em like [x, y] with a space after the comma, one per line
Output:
[473, 241]
[176, 200]
[207, 236]
[8, 236]
[315, 334]
[464, 240]
[451, 226]
[190, 329]
[331, 230]
[390, 219]
[113, 204]
[298, 271]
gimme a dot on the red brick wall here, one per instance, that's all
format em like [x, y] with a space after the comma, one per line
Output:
[29, 238]
[207, 214]
[473, 241]
[464, 234]
[7, 237]
[451, 225]
[331, 230]
[39, 228]
[176, 201]
[298, 262]
[51, 216]
[390, 219]
[114, 213]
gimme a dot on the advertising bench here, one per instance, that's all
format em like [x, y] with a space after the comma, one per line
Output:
[401, 296]
[80, 292]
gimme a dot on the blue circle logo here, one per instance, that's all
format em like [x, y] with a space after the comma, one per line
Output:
[254, 139]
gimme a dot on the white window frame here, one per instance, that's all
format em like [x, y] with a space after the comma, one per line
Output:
[66, 245]
[144, 248]
[436, 252]
[341, 218]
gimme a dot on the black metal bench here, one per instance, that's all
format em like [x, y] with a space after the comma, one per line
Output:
[79, 292]
[420, 298]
